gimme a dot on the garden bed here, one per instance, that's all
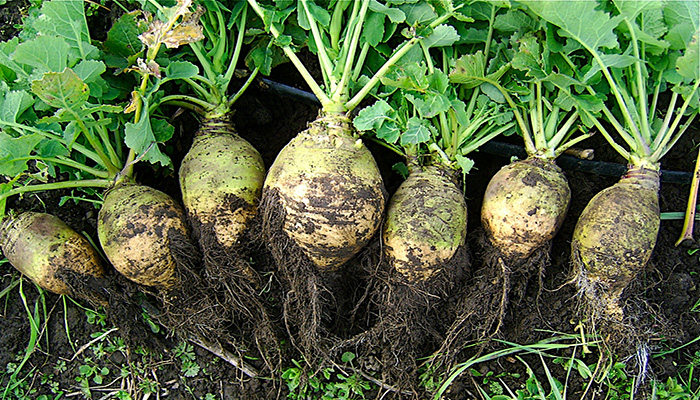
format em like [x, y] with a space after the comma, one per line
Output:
[78, 353]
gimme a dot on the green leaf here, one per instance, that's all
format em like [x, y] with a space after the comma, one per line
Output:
[389, 132]
[66, 19]
[430, 104]
[122, 43]
[492, 92]
[682, 18]
[579, 20]
[513, 21]
[7, 60]
[162, 130]
[442, 36]
[465, 164]
[320, 15]
[45, 53]
[418, 13]
[261, 57]
[141, 138]
[181, 70]
[13, 148]
[13, 104]
[372, 117]
[373, 30]
[418, 131]
[89, 70]
[611, 61]
[395, 15]
[468, 69]
[347, 357]
[62, 90]
[688, 65]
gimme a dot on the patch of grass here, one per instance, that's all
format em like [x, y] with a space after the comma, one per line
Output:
[328, 383]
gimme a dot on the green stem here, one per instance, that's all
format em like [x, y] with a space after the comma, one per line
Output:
[237, 50]
[96, 183]
[67, 162]
[624, 153]
[400, 52]
[689, 219]
[667, 121]
[243, 88]
[111, 168]
[481, 141]
[642, 100]
[664, 147]
[324, 60]
[640, 144]
[405, 48]
[198, 50]
[76, 146]
[564, 131]
[104, 136]
[571, 143]
[357, 70]
[186, 101]
[305, 74]
[341, 92]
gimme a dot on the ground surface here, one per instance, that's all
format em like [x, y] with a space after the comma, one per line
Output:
[75, 344]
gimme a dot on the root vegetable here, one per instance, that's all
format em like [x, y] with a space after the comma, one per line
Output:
[142, 230]
[426, 224]
[614, 239]
[330, 192]
[221, 180]
[524, 205]
[41, 247]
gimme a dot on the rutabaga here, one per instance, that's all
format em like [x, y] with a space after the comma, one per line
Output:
[616, 233]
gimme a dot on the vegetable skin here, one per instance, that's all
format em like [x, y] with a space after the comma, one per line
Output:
[614, 239]
[221, 180]
[426, 223]
[140, 230]
[330, 190]
[524, 206]
[41, 246]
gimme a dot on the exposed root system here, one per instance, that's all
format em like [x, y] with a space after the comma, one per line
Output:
[483, 302]
[237, 288]
[313, 298]
[411, 320]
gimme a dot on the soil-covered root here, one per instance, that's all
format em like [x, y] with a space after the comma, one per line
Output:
[322, 203]
[483, 302]
[319, 306]
[142, 232]
[330, 190]
[426, 223]
[42, 247]
[612, 244]
[144, 235]
[524, 205]
[221, 180]
[411, 319]
[425, 259]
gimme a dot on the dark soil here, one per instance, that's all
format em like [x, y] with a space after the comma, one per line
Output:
[74, 337]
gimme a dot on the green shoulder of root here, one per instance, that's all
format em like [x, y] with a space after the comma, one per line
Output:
[62, 111]
[325, 183]
[643, 60]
